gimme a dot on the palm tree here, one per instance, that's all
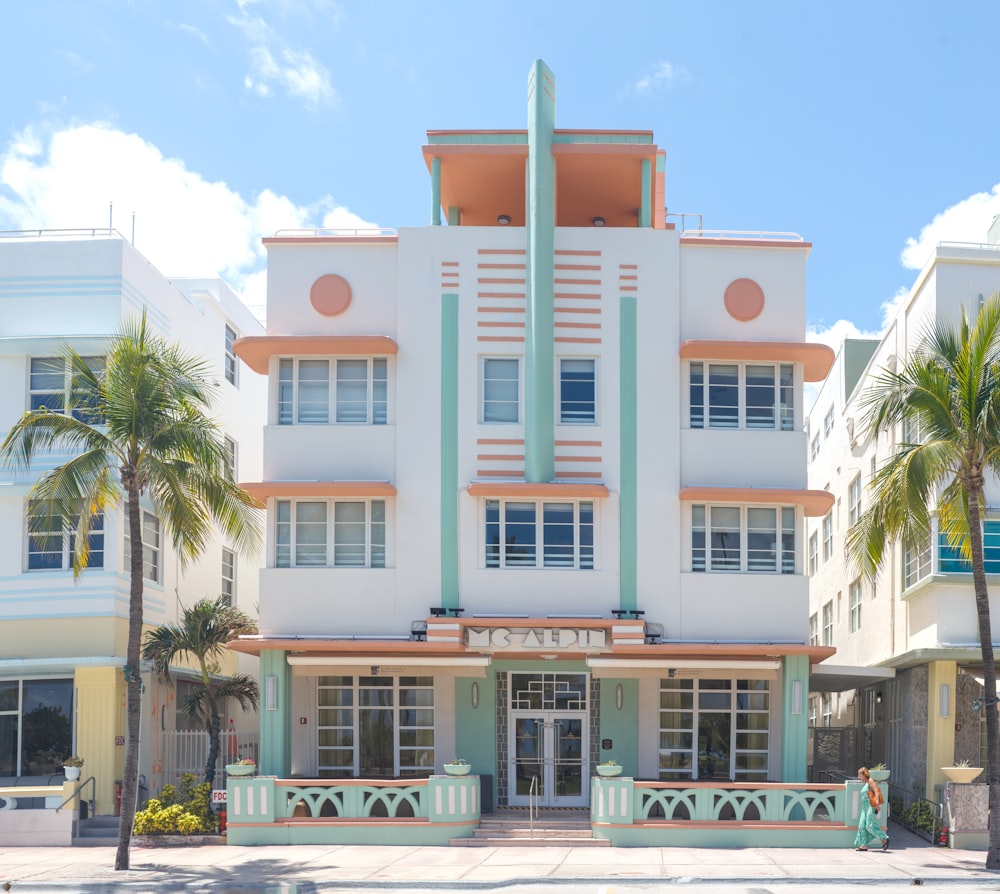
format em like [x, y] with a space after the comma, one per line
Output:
[138, 427]
[202, 634]
[949, 392]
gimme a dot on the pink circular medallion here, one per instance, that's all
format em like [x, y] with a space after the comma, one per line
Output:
[744, 300]
[330, 295]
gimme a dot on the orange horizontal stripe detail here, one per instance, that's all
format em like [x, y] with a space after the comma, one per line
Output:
[499, 324]
[578, 443]
[578, 310]
[578, 282]
[500, 457]
[449, 263]
[517, 441]
[624, 277]
[579, 341]
[528, 489]
[582, 295]
[560, 324]
[817, 359]
[578, 253]
[501, 338]
[451, 274]
[578, 459]
[496, 281]
[578, 267]
[256, 350]
[628, 288]
[500, 266]
[500, 310]
[517, 295]
[261, 490]
[628, 266]
[509, 473]
[575, 474]
[501, 251]
[451, 284]
[815, 503]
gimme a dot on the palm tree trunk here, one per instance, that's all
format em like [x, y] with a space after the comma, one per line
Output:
[133, 683]
[989, 672]
[214, 733]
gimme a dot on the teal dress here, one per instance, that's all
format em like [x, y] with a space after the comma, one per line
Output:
[868, 827]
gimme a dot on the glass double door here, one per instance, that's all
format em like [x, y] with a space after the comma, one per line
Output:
[549, 748]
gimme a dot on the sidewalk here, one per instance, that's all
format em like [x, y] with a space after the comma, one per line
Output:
[468, 868]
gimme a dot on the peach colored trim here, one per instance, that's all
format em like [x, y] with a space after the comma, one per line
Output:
[393, 648]
[585, 296]
[581, 253]
[628, 266]
[452, 132]
[626, 278]
[577, 474]
[500, 473]
[814, 502]
[517, 295]
[642, 150]
[500, 266]
[638, 133]
[325, 240]
[528, 489]
[628, 288]
[374, 783]
[578, 459]
[579, 341]
[578, 310]
[500, 310]
[555, 623]
[256, 350]
[577, 282]
[515, 441]
[578, 443]
[816, 359]
[498, 338]
[722, 650]
[560, 324]
[744, 299]
[261, 490]
[497, 281]
[577, 266]
[449, 263]
[501, 457]
[774, 786]
[501, 251]
[766, 243]
[494, 324]
[433, 150]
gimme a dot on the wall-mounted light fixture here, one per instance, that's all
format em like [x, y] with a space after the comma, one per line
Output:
[475, 694]
[503, 220]
[796, 696]
[945, 700]
[270, 693]
[619, 696]
[598, 221]
[878, 698]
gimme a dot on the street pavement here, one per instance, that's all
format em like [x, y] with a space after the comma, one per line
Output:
[305, 869]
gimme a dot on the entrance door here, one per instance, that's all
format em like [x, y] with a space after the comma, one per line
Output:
[550, 748]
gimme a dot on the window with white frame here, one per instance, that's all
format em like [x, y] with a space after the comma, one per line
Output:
[231, 363]
[827, 709]
[814, 629]
[229, 575]
[742, 395]
[539, 534]
[913, 431]
[51, 542]
[916, 564]
[577, 390]
[231, 456]
[150, 528]
[828, 423]
[854, 596]
[50, 381]
[348, 390]
[813, 552]
[501, 389]
[329, 533]
[828, 536]
[375, 727]
[854, 500]
[814, 448]
[755, 539]
[813, 710]
[828, 623]
[36, 726]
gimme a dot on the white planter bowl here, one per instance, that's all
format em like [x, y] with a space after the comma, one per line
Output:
[71, 773]
[240, 769]
[961, 774]
[879, 775]
[458, 769]
[613, 770]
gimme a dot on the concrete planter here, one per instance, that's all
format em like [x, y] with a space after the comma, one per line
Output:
[458, 769]
[961, 774]
[608, 770]
[879, 775]
[240, 769]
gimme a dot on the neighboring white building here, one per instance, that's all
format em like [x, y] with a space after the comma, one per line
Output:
[62, 642]
[916, 708]
[536, 480]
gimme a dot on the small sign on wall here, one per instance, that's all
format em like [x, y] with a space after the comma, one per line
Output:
[119, 740]
[218, 796]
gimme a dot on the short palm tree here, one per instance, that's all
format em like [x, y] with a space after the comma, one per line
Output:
[201, 635]
[948, 391]
[139, 427]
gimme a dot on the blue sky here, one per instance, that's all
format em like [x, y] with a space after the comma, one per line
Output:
[870, 128]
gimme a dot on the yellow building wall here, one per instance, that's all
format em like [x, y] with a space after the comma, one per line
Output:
[940, 730]
[100, 719]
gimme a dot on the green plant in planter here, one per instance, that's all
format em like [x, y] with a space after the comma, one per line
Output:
[74, 761]
[457, 762]
[610, 763]
[879, 767]
[962, 763]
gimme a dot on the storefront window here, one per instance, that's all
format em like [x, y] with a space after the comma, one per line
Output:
[36, 728]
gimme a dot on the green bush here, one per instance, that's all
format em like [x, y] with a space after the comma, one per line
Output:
[186, 811]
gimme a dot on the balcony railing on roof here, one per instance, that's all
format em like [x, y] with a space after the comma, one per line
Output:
[333, 232]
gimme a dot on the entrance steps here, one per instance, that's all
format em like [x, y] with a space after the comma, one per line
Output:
[98, 831]
[513, 828]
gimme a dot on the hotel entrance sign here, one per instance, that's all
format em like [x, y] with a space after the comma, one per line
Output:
[510, 639]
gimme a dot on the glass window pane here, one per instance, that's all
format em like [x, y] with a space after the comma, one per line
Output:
[762, 552]
[380, 391]
[314, 391]
[723, 395]
[577, 391]
[310, 533]
[46, 726]
[760, 396]
[349, 534]
[519, 534]
[500, 390]
[352, 391]
[725, 538]
[558, 530]
[697, 395]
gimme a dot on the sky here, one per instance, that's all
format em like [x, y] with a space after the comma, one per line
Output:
[869, 128]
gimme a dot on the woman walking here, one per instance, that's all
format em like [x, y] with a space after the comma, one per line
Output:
[871, 801]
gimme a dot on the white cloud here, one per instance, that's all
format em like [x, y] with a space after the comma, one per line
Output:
[185, 224]
[189, 29]
[965, 221]
[658, 75]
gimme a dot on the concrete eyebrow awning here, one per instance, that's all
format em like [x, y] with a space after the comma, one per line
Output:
[840, 678]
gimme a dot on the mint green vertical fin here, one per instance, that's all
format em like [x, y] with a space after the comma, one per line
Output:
[449, 451]
[628, 419]
[454, 216]
[436, 192]
[539, 390]
[276, 723]
[647, 188]
[794, 727]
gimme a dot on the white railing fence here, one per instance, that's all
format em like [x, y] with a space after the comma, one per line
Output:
[185, 751]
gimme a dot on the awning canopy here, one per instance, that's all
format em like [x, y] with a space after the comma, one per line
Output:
[401, 666]
[629, 667]
[840, 678]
